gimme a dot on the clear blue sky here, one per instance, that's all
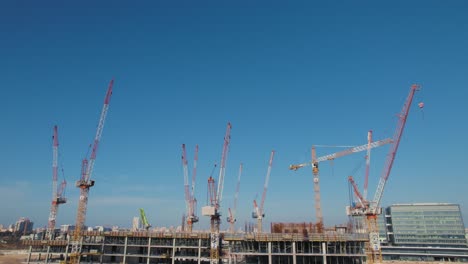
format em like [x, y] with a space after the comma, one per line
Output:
[287, 75]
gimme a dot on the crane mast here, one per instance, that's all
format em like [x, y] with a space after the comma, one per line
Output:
[193, 200]
[318, 203]
[186, 183]
[216, 196]
[259, 213]
[57, 191]
[190, 200]
[366, 179]
[55, 163]
[85, 182]
[232, 215]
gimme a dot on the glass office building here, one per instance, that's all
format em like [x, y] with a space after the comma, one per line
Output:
[425, 224]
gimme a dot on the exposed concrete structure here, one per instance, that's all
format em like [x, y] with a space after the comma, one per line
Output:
[151, 247]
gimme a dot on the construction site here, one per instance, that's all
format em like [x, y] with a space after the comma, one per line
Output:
[291, 243]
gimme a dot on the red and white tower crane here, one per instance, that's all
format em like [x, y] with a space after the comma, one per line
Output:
[190, 200]
[85, 181]
[216, 195]
[258, 212]
[57, 191]
[231, 219]
[371, 209]
[315, 171]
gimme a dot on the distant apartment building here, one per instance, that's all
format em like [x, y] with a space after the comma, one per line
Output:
[66, 228]
[136, 223]
[23, 226]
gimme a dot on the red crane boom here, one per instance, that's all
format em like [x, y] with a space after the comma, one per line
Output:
[393, 149]
[85, 182]
[371, 209]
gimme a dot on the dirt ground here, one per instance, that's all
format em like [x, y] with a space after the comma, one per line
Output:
[13, 259]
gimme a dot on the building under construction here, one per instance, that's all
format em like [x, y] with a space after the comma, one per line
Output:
[182, 247]
[287, 243]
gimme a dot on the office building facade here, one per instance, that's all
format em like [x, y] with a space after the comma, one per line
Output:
[425, 224]
[423, 231]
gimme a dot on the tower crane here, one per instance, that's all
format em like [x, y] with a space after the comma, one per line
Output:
[258, 212]
[190, 200]
[315, 171]
[144, 220]
[366, 179]
[216, 195]
[57, 191]
[85, 182]
[371, 209]
[231, 219]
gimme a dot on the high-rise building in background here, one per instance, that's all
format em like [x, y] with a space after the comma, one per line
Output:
[66, 228]
[423, 231]
[23, 226]
[425, 224]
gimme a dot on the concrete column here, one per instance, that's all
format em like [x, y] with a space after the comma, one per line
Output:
[199, 250]
[66, 248]
[173, 250]
[269, 254]
[81, 249]
[149, 250]
[324, 252]
[66, 251]
[47, 255]
[29, 254]
[294, 251]
[125, 251]
[101, 258]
